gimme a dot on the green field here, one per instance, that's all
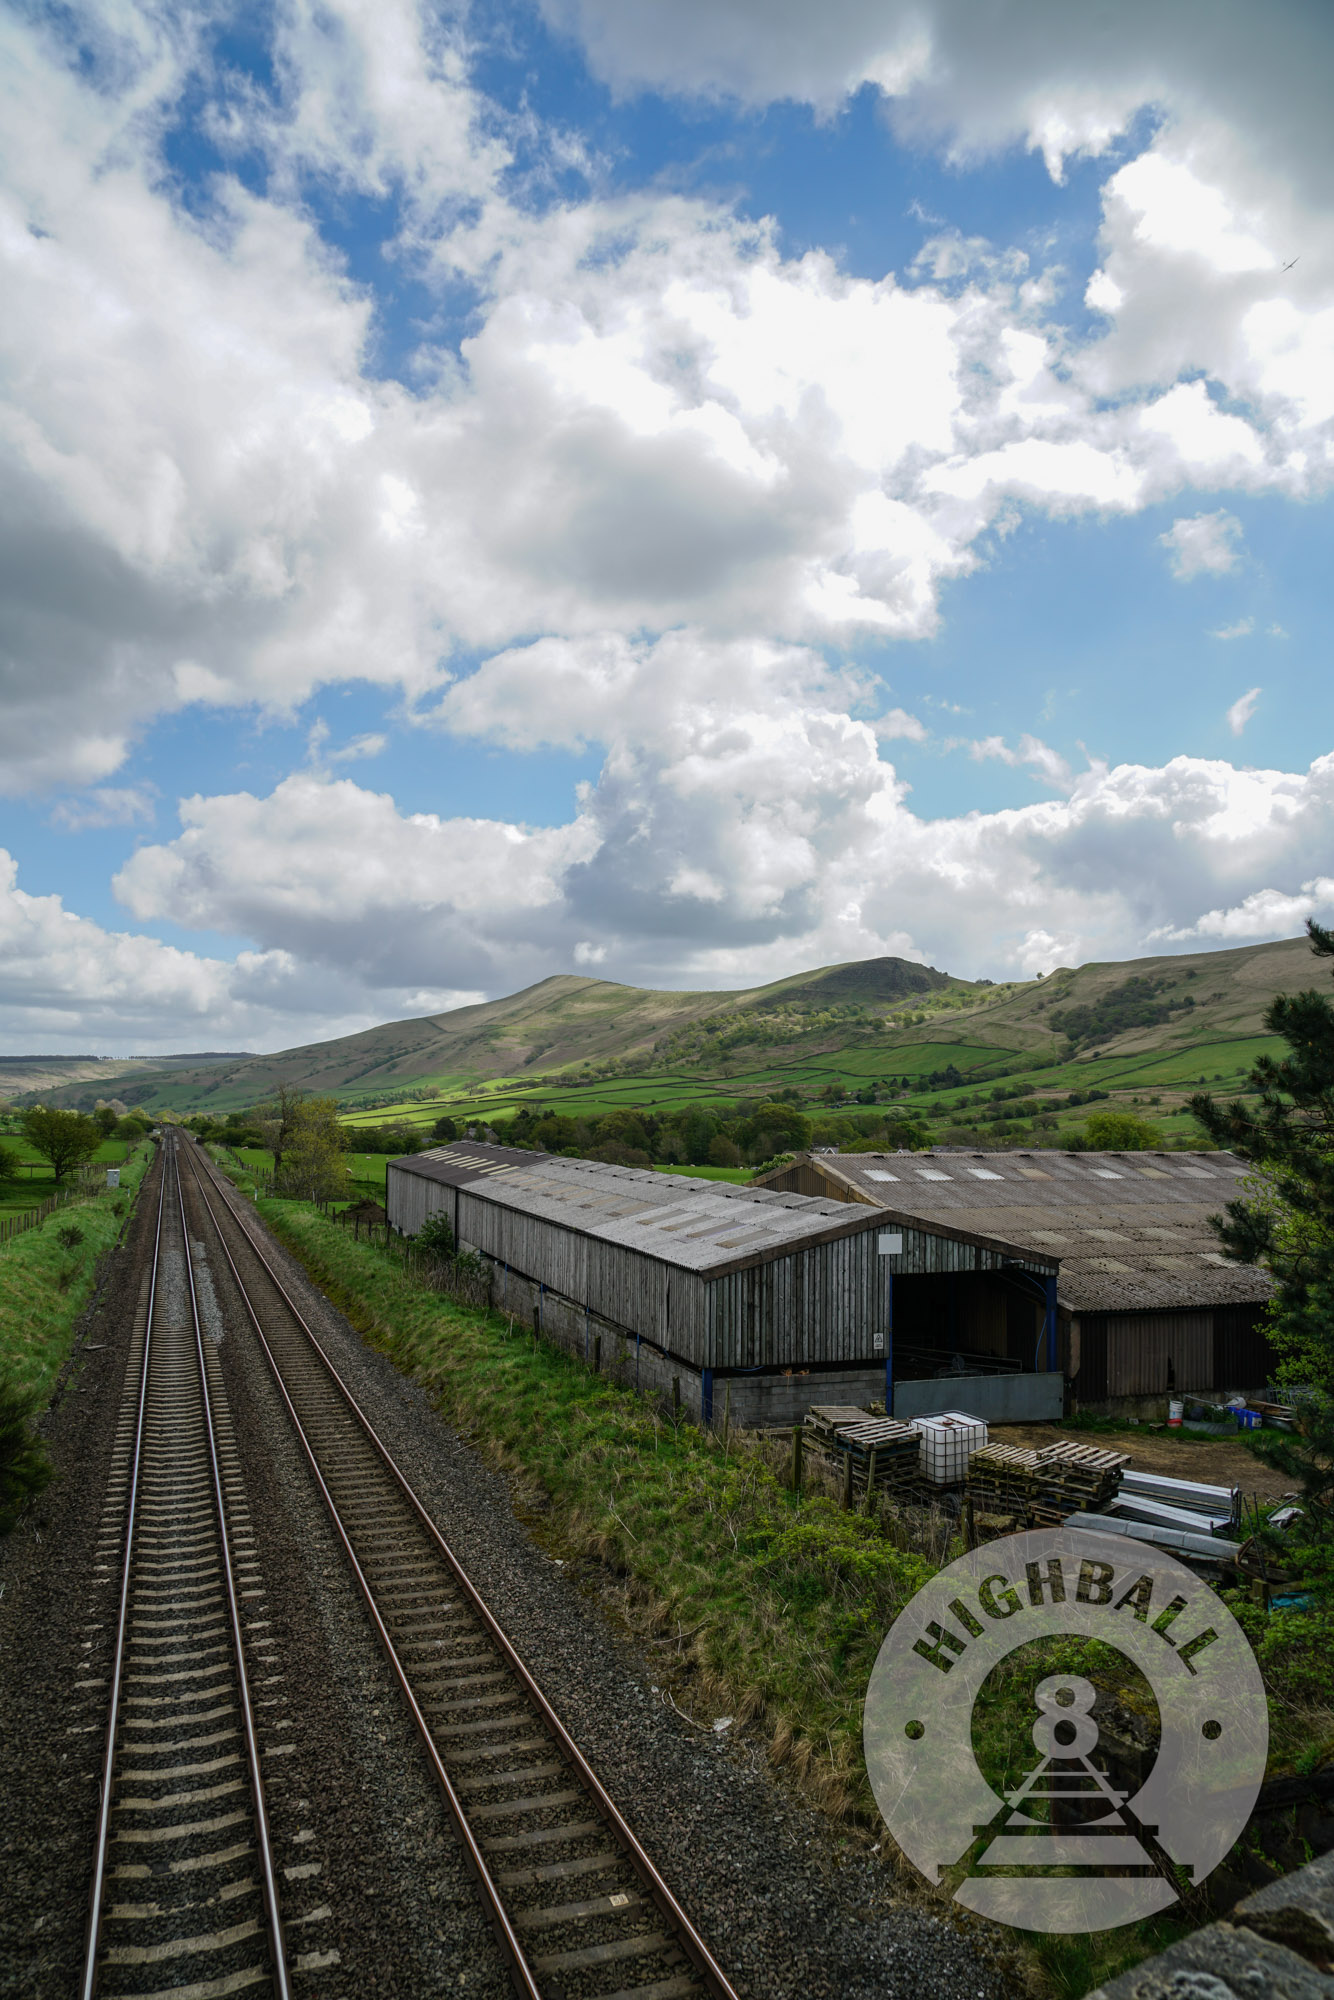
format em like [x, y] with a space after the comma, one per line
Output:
[1153, 1083]
[37, 1183]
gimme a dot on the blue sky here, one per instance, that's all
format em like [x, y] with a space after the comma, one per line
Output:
[677, 494]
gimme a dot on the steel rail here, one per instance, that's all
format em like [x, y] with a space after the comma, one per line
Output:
[88, 1983]
[277, 1944]
[696, 1950]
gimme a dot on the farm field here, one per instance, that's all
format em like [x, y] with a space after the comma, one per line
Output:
[1131, 1080]
[37, 1182]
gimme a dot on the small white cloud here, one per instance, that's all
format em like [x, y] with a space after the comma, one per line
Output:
[108, 805]
[1103, 294]
[1242, 710]
[1278, 632]
[1203, 545]
[360, 746]
[1241, 630]
[1047, 764]
[586, 953]
[898, 722]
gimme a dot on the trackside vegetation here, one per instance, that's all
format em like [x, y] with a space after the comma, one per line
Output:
[46, 1278]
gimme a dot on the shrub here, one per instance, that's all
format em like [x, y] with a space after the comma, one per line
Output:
[1121, 1132]
[436, 1236]
[69, 1236]
[24, 1466]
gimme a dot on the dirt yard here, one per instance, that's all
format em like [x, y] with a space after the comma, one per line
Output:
[1216, 1461]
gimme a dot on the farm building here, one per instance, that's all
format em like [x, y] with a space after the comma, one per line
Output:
[765, 1299]
[1148, 1307]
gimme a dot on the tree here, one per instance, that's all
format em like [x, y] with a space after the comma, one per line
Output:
[1115, 1132]
[105, 1120]
[10, 1164]
[313, 1157]
[64, 1139]
[1286, 1218]
[444, 1131]
[774, 1128]
[277, 1120]
[722, 1153]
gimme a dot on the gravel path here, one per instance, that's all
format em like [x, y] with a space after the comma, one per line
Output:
[762, 1876]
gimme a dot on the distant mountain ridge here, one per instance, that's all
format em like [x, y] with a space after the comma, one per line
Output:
[567, 1022]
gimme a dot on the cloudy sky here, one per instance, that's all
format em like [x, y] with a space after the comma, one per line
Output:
[676, 489]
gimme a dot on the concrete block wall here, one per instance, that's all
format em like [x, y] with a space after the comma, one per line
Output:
[631, 1363]
[756, 1401]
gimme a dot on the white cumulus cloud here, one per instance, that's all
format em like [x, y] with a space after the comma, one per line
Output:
[1203, 545]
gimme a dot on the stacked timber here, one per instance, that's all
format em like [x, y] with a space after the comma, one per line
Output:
[1045, 1484]
[880, 1450]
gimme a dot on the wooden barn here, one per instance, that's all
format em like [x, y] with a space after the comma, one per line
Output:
[1148, 1307]
[765, 1298]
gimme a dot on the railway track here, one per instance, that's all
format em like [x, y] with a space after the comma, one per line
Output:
[578, 1908]
[184, 1896]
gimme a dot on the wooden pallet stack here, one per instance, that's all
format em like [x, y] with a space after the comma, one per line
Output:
[879, 1447]
[1045, 1484]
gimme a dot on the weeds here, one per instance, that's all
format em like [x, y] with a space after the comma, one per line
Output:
[24, 1466]
[46, 1276]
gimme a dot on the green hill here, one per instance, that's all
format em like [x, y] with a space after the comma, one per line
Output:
[886, 1022]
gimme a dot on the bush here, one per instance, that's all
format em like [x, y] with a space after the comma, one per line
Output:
[1121, 1132]
[69, 1236]
[24, 1466]
[436, 1236]
[722, 1153]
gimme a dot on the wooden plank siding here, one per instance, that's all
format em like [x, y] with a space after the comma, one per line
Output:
[824, 1302]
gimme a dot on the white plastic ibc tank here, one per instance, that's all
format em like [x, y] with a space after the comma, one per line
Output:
[946, 1442]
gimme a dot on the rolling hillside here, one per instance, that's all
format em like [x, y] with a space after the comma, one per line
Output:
[851, 1023]
[561, 1023]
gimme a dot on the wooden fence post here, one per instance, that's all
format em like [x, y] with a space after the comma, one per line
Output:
[847, 1480]
[796, 1459]
[870, 1480]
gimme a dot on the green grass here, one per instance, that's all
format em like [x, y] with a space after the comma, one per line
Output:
[742, 1176]
[37, 1183]
[45, 1284]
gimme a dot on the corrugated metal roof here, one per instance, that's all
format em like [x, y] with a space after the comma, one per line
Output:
[709, 1227]
[1131, 1230]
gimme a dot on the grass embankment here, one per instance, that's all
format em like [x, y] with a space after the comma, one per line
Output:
[46, 1276]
